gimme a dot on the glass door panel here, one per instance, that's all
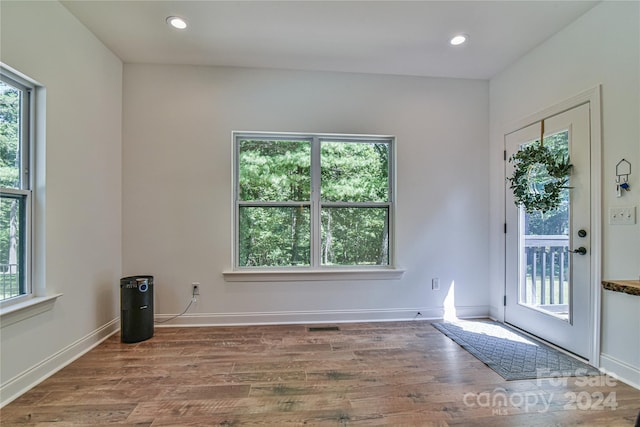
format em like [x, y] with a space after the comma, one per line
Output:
[544, 247]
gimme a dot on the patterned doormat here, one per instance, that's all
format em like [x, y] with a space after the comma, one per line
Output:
[511, 354]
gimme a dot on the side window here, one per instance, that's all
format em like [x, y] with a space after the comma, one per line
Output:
[15, 186]
[312, 200]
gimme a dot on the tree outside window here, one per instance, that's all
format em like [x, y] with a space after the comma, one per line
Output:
[14, 187]
[313, 200]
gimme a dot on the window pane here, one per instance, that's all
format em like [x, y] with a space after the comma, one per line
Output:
[10, 99]
[274, 170]
[355, 172]
[275, 236]
[546, 283]
[555, 222]
[12, 245]
[355, 236]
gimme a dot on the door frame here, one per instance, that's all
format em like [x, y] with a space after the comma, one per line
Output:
[593, 98]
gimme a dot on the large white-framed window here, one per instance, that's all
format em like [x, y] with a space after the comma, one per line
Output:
[16, 143]
[313, 201]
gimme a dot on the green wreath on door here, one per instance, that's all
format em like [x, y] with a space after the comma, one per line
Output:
[539, 176]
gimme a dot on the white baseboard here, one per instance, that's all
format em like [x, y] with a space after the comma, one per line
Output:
[298, 317]
[21, 383]
[312, 317]
[623, 371]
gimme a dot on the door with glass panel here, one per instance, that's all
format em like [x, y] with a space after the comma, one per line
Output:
[548, 265]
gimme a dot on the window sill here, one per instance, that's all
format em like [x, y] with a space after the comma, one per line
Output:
[23, 310]
[311, 275]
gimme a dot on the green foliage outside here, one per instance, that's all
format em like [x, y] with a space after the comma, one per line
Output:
[275, 171]
[275, 236]
[10, 205]
[276, 233]
[9, 136]
[354, 172]
[355, 236]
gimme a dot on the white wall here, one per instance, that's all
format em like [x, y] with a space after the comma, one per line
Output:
[80, 217]
[177, 200]
[602, 47]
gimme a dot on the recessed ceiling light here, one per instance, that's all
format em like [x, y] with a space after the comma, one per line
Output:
[177, 22]
[459, 39]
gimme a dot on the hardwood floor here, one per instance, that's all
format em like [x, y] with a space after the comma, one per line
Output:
[369, 374]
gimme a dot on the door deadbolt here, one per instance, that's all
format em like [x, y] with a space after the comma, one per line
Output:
[582, 233]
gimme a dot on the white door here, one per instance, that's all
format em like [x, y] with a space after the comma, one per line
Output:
[548, 256]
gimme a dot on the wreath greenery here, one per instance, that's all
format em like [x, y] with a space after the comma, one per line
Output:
[538, 178]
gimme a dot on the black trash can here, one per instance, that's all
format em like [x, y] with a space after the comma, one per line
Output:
[136, 308]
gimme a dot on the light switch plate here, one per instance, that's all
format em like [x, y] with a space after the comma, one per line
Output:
[622, 216]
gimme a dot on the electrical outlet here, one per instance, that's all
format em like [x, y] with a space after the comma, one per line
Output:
[622, 216]
[435, 284]
[195, 288]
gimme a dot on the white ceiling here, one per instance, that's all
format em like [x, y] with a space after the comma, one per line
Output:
[385, 37]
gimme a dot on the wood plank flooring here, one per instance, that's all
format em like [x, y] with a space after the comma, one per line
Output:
[365, 374]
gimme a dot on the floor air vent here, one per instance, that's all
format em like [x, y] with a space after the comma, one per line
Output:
[323, 328]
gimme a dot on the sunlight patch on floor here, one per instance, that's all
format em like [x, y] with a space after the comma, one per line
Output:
[492, 329]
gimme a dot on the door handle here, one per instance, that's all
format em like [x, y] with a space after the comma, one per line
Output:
[580, 251]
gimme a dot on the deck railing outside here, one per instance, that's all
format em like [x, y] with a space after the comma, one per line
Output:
[9, 281]
[546, 271]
